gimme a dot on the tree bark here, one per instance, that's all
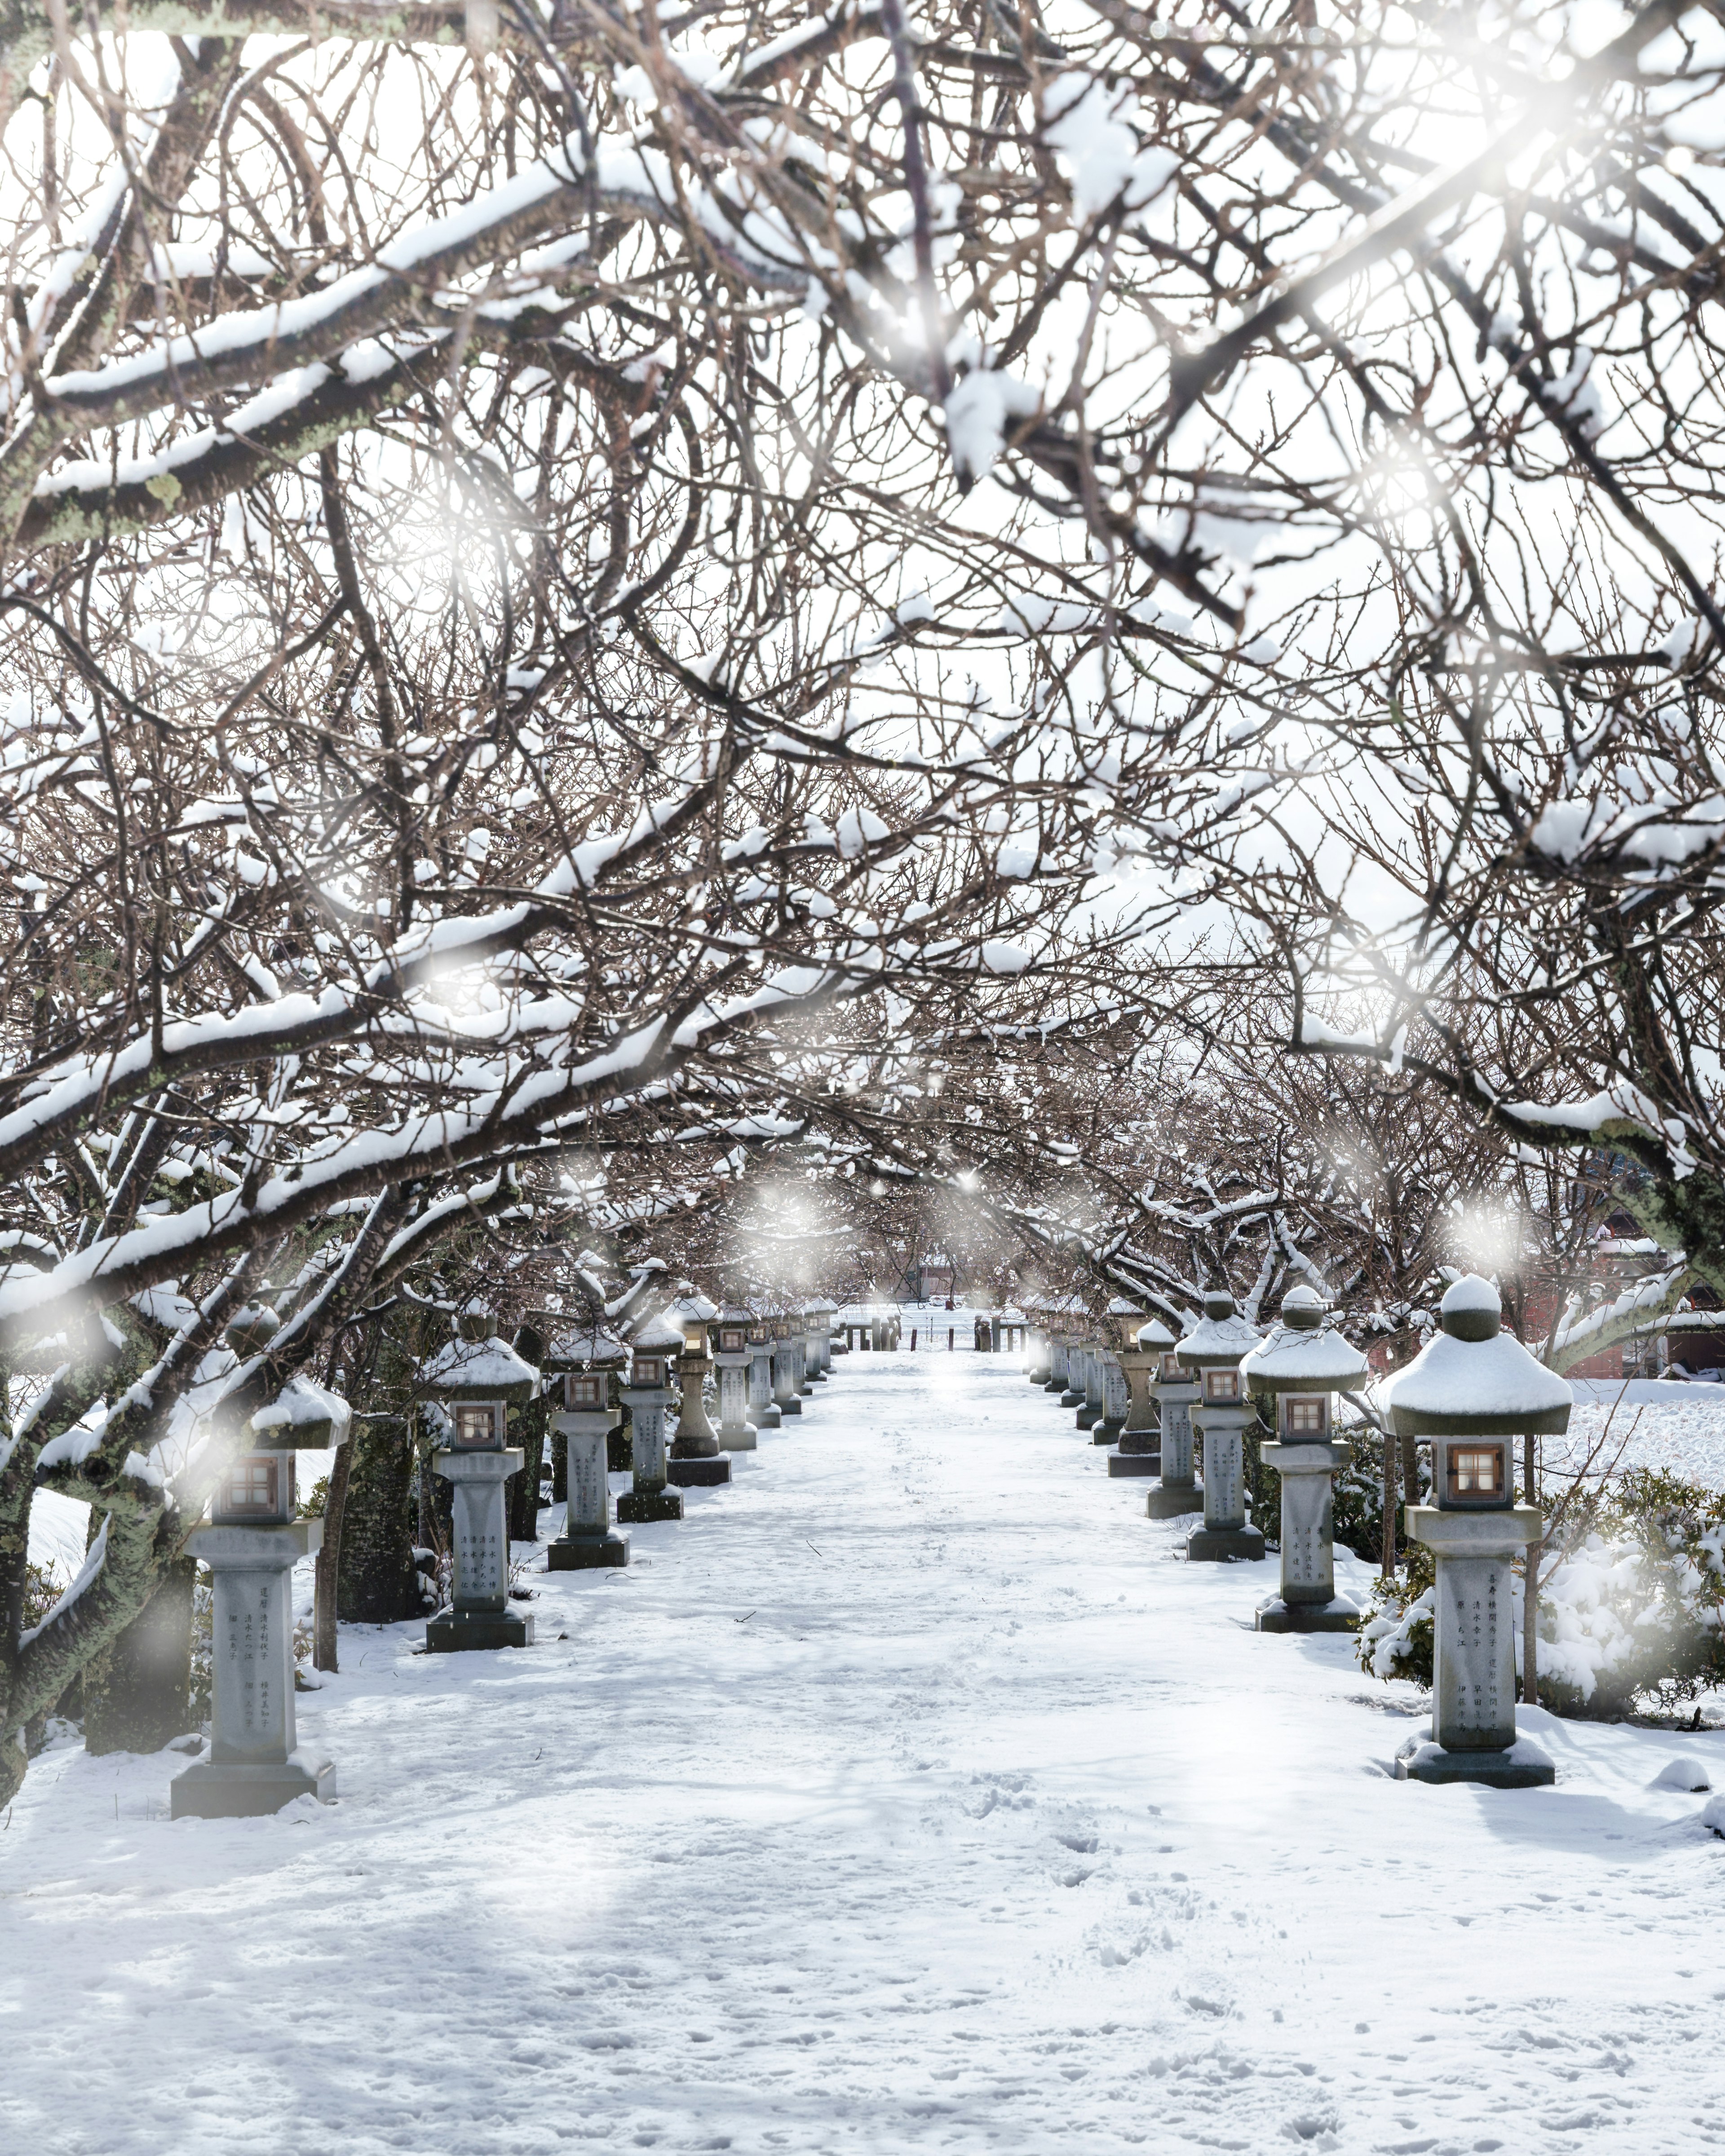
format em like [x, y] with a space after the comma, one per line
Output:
[375, 1569]
[1530, 1585]
[1388, 1567]
[323, 1647]
[137, 1689]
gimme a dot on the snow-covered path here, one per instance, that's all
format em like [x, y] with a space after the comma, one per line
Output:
[911, 1794]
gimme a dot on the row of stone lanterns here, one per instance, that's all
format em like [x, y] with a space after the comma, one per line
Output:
[478, 1384]
[1471, 1390]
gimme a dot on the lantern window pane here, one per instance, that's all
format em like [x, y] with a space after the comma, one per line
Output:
[647, 1370]
[1307, 1417]
[1476, 1471]
[254, 1485]
[1170, 1370]
[1221, 1384]
[477, 1422]
[582, 1392]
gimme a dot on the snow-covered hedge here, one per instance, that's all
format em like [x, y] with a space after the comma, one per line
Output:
[1633, 1614]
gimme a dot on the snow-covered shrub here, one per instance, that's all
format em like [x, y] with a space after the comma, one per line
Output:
[1635, 1613]
[1632, 1614]
[1396, 1638]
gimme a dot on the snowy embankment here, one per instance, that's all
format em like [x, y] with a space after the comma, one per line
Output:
[912, 1793]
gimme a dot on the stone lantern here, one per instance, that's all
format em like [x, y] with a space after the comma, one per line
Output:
[1294, 1374]
[1120, 1324]
[1037, 1367]
[1138, 1451]
[1058, 1348]
[580, 1374]
[1213, 1352]
[656, 1346]
[478, 1378]
[819, 1316]
[1085, 1363]
[1470, 1391]
[785, 1396]
[731, 1355]
[762, 1410]
[696, 1461]
[1073, 1360]
[1174, 1391]
[251, 1546]
[801, 1381]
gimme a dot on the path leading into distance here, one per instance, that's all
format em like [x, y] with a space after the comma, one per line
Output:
[911, 1794]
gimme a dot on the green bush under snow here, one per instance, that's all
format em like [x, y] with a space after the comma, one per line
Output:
[1631, 1615]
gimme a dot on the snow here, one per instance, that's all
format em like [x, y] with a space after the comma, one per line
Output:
[1452, 1376]
[1319, 1358]
[468, 1363]
[873, 1807]
[976, 411]
[302, 1403]
[1471, 1292]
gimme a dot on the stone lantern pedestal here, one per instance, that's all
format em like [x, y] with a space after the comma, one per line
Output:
[697, 1461]
[254, 1764]
[1057, 1381]
[1471, 1391]
[1213, 1352]
[1037, 1369]
[1294, 1375]
[785, 1396]
[1138, 1450]
[1071, 1368]
[735, 1433]
[762, 1410]
[1116, 1401]
[1174, 1391]
[1090, 1377]
[818, 1346]
[480, 1615]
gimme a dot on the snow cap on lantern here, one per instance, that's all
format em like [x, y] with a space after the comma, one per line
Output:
[1474, 1379]
[1211, 1350]
[1299, 1365]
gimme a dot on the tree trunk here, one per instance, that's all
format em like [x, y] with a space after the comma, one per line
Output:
[527, 1430]
[1530, 1585]
[375, 1568]
[324, 1649]
[1389, 1505]
[1410, 1471]
[137, 1689]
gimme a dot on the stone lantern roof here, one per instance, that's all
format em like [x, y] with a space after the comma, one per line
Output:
[1155, 1337]
[570, 1345]
[1219, 1338]
[820, 1307]
[1475, 1379]
[659, 1336]
[303, 1417]
[488, 1369]
[1300, 1356]
[693, 1309]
